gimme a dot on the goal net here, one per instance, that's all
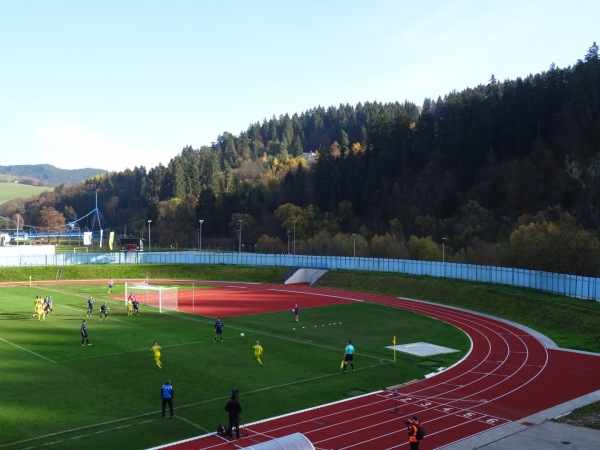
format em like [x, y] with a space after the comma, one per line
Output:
[153, 295]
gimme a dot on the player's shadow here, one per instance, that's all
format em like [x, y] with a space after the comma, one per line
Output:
[14, 316]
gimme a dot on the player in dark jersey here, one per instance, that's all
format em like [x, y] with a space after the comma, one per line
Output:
[104, 310]
[84, 333]
[218, 329]
[90, 303]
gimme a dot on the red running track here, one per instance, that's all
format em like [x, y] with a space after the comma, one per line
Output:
[508, 375]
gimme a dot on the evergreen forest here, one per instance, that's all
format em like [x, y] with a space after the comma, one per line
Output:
[506, 173]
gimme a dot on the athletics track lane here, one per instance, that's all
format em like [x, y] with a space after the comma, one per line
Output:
[507, 376]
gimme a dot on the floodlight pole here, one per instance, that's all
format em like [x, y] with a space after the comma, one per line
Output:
[149, 239]
[201, 221]
[354, 239]
[295, 237]
[240, 237]
[443, 249]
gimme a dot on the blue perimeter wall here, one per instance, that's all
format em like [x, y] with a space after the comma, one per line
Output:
[586, 288]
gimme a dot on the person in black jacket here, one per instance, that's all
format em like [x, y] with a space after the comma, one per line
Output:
[413, 428]
[234, 409]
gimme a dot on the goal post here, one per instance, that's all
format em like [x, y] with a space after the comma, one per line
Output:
[160, 297]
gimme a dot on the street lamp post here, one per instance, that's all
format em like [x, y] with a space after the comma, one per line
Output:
[288, 242]
[354, 239]
[201, 221]
[443, 249]
[18, 220]
[149, 240]
[240, 237]
[295, 237]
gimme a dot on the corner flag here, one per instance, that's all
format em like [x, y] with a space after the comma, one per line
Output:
[394, 342]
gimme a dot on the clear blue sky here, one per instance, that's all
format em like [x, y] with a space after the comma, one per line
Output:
[118, 84]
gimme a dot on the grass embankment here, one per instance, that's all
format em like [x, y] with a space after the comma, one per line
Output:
[139, 271]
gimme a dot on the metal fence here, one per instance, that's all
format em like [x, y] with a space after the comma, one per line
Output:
[587, 288]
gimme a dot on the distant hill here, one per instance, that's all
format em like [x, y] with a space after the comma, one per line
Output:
[48, 175]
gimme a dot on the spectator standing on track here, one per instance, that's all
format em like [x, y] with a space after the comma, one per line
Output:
[166, 394]
[296, 312]
[218, 329]
[413, 428]
[349, 356]
[234, 409]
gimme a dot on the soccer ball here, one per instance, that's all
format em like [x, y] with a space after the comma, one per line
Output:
[242, 334]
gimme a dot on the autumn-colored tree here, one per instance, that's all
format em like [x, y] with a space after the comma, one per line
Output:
[268, 244]
[423, 249]
[384, 246]
[293, 217]
[51, 218]
[555, 246]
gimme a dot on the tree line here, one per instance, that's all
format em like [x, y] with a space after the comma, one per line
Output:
[506, 173]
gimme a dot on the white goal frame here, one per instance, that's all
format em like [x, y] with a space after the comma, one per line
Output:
[160, 297]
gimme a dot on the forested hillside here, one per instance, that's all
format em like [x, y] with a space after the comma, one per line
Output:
[506, 173]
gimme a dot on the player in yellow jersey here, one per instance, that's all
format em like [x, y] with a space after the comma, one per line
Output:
[35, 307]
[156, 350]
[258, 351]
[129, 308]
[39, 308]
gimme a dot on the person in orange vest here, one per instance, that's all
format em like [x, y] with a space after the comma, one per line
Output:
[414, 437]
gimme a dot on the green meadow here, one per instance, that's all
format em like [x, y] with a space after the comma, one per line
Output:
[10, 190]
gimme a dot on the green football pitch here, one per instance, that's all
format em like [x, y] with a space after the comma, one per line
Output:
[58, 394]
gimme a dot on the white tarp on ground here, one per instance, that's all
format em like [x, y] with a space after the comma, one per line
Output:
[422, 349]
[296, 441]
